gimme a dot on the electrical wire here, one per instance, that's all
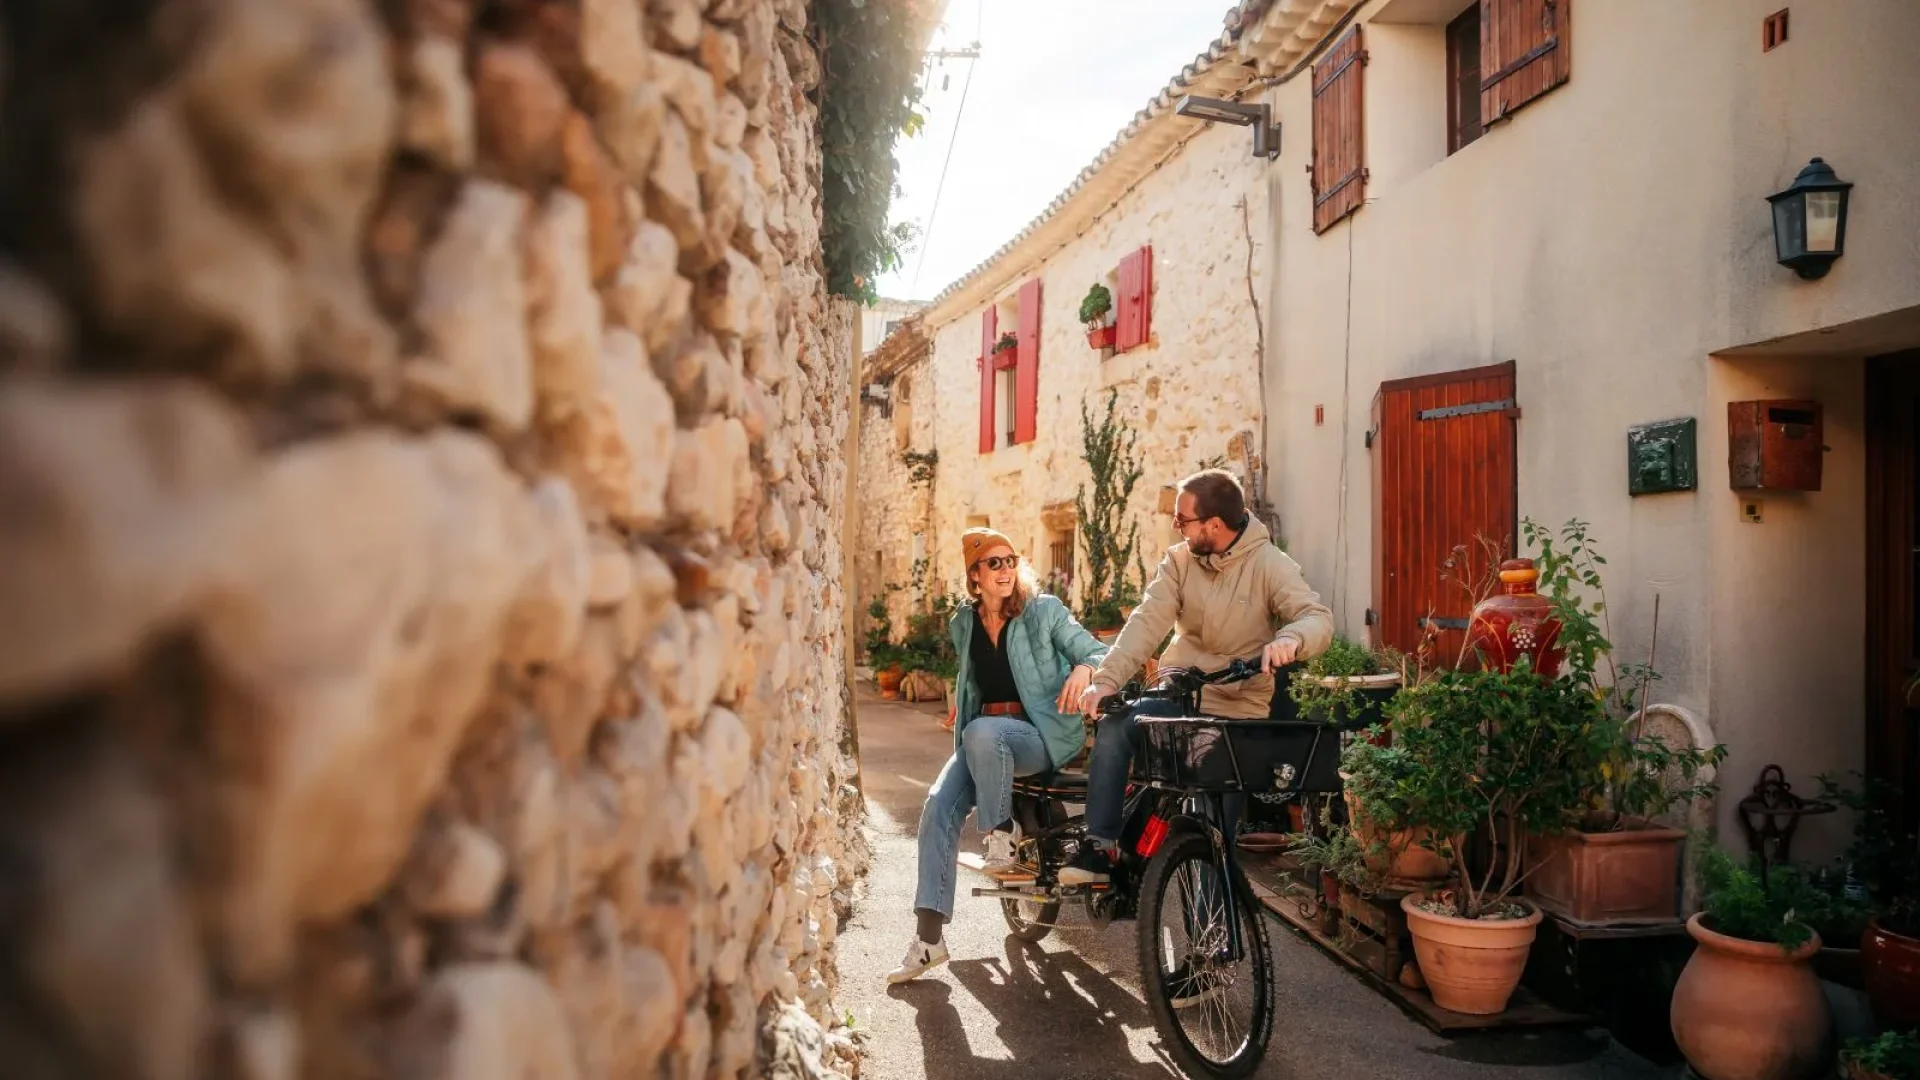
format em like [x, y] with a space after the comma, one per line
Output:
[926, 238]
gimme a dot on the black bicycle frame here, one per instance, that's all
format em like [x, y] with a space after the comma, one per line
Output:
[1169, 812]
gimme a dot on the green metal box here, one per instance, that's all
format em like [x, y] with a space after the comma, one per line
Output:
[1663, 456]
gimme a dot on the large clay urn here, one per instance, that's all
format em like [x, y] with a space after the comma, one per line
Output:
[1516, 622]
[1471, 966]
[1751, 1010]
[1890, 963]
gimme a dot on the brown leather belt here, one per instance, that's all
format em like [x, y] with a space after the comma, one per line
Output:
[1003, 708]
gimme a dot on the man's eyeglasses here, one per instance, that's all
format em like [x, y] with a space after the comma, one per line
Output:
[1182, 522]
[999, 562]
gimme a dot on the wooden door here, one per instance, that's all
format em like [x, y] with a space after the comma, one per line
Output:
[1444, 476]
[1893, 576]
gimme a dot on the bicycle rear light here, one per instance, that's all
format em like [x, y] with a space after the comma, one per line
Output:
[1151, 837]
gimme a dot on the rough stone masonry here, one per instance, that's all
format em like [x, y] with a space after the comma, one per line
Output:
[420, 483]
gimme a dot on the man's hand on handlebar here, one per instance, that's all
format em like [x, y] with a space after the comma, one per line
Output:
[1278, 654]
[1091, 699]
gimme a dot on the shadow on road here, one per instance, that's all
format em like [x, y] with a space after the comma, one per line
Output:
[1059, 1017]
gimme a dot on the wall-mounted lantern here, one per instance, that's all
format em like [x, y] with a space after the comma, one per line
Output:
[1810, 220]
[1266, 133]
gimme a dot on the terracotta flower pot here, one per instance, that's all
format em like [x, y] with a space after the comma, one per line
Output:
[1890, 966]
[1471, 965]
[1413, 865]
[890, 682]
[1627, 874]
[1750, 1010]
[1100, 337]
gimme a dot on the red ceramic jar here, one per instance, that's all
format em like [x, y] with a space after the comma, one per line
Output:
[1516, 623]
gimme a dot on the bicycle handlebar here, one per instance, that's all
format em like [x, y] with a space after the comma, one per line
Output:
[1178, 681]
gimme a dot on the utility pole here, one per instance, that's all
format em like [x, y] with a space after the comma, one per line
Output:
[934, 56]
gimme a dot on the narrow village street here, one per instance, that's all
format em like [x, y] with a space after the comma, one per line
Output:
[1070, 1007]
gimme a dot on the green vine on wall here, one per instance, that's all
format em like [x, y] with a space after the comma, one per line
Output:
[1111, 535]
[870, 56]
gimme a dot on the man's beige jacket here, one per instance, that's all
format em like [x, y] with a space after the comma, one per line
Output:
[1222, 607]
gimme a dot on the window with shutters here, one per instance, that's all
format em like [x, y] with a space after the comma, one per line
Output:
[1009, 366]
[1339, 132]
[1525, 51]
[1463, 79]
[1443, 458]
[1132, 287]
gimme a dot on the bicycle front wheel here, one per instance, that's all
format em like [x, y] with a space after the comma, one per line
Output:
[1214, 1010]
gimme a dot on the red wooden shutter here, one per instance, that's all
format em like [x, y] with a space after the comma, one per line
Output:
[1525, 51]
[1133, 319]
[989, 331]
[1444, 475]
[1339, 133]
[1026, 364]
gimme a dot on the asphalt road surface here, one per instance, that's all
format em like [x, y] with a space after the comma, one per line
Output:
[1070, 1008]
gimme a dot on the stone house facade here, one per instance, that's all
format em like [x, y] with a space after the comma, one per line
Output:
[1511, 234]
[1171, 219]
[423, 441]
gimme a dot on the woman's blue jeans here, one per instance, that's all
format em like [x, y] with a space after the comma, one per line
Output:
[993, 750]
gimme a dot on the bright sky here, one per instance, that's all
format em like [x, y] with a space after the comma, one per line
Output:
[1055, 82]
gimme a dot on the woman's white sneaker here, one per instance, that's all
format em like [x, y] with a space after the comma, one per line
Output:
[1000, 855]
[921, 958]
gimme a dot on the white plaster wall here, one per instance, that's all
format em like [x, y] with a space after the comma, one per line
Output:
[1609, 239]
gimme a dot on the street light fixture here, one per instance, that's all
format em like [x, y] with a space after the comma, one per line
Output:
[1266, 133]
[1810, 220]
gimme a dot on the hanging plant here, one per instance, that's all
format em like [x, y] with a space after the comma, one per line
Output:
[870, 58]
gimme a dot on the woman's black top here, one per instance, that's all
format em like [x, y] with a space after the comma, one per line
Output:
[991, 672]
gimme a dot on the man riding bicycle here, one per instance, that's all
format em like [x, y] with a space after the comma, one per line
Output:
[1222, 591]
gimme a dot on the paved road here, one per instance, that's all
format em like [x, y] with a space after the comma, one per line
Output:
[1070, 1007]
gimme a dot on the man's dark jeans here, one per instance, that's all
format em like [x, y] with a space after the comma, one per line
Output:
[1114, 743]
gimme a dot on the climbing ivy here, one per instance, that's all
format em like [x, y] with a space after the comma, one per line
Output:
[869, 88]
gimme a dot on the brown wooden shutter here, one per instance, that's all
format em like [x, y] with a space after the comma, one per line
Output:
[1339, 133]
[1133, 315]
[989, 332]
[1026, 364]
[1525, 51]
[1444, 474]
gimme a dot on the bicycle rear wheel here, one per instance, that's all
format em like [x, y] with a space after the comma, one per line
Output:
[1222, 1028]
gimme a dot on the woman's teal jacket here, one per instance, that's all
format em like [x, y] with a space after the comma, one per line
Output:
[1043, 642]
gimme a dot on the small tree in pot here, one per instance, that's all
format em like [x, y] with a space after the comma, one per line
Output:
[1748, 1006]
[1492, 752]
[1096, 312]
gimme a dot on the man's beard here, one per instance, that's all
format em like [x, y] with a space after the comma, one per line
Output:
[1202, 545]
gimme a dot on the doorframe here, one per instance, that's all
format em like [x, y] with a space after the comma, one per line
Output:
[1892, 396]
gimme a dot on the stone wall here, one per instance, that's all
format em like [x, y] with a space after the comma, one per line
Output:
[1192, 394]
[421, 434]
[895, 509]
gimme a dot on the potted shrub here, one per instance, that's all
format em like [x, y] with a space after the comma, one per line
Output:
[885, 656]
[1615, 863]
[1894, 1055]
[1883, 861]
[1096, 311]
[1347, 685]
[1484, 751]
[1748, 1005]
[1345, 864]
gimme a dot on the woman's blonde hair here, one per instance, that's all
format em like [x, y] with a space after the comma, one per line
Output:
[1025, 587]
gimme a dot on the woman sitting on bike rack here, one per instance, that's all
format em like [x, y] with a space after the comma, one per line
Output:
[1024, 662]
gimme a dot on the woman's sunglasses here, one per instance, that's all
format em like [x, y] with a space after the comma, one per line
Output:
[999, 562]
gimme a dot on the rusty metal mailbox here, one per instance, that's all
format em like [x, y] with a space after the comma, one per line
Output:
[1775, 445]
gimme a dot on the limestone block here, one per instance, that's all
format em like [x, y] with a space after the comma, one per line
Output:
[330, 681]
[497, 1021]
[610, 580]
[612, 450]
[454, 871]
[114, 535]
[723, 183]
[720, 55]
[592, 175]
[547, 616]
[570, 694]
[675, 24]
[648, 295]
[471, 311]
[521, 108]
[653, 1010]
[673, 189]
[563, 311]
[629, 124]
[733, 300]
[703, 484]
[693, 1051]
[436, 108]
[612, 45]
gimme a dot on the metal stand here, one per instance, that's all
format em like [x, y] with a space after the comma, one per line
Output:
[1770, 815]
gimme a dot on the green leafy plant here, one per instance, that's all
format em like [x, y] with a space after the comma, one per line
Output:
[1325, 685]
[868, 93]
[882, 652]
[1338, 850]
[1006, 342]
[1894, 1055]
[927, 645]
[1500, 751]
[1883, 856]
[1111, 535]
[1743, 902]
[1095, 305]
